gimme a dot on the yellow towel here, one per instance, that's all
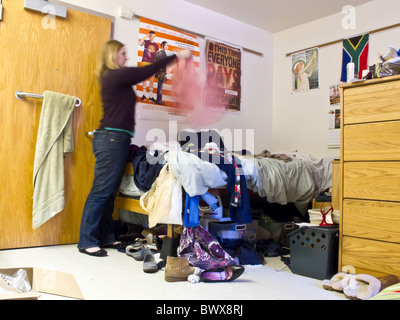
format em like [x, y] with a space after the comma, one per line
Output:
[53, 141]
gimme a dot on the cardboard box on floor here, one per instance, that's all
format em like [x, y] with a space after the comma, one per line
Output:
[45, 281]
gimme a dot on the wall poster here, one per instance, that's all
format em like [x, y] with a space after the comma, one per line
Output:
[224, 70]
[156, 93]
[334, 117]
[305, 75]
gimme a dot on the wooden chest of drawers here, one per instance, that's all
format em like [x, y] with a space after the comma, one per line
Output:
[370, 176]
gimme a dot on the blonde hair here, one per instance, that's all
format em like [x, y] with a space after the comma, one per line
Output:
[107, 57]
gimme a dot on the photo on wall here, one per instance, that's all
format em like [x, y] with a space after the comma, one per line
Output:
[305, 74]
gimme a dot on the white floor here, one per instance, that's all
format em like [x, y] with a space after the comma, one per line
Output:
[120, 277]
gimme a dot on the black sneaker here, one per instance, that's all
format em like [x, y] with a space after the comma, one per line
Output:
[152, 100]
[143, 98]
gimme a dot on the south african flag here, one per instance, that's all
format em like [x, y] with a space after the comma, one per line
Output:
[355, 50]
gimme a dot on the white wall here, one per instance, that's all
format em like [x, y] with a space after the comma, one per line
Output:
[301, 120]
[281, 120]
[257, 70]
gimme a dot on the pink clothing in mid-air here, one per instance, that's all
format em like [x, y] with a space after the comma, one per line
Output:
[189, 92]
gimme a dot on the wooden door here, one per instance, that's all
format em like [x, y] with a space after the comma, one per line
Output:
[36, 57]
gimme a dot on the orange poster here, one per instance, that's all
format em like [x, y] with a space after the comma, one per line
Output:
[155, 40]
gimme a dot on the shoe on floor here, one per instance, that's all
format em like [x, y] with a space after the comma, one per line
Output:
[336, 283]
[98, 253]
[143, 98]
[364, 286]
[228, 273]
[136, 251]
[116, 245]
[149, 262]
[177, 269]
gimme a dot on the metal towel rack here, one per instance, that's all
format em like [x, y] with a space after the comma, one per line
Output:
[20, 95]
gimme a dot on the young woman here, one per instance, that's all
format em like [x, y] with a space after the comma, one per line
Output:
[111, 143]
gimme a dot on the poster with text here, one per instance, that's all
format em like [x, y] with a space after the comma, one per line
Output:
[305, 75]
[334, 117]
[224, 70]
[155, 41]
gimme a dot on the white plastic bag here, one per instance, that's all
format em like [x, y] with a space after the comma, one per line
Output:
[19, 281]
[163, 202]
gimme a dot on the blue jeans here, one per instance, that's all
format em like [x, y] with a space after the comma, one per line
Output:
[111, 149]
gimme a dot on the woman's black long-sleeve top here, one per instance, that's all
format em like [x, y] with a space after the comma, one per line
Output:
[118, 96]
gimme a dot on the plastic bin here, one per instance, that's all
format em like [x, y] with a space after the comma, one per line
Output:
[314, 251]
[233, 231]
[273, 227]
[205, 221]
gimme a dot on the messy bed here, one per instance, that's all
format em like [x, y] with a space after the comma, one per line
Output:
[203, 165]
